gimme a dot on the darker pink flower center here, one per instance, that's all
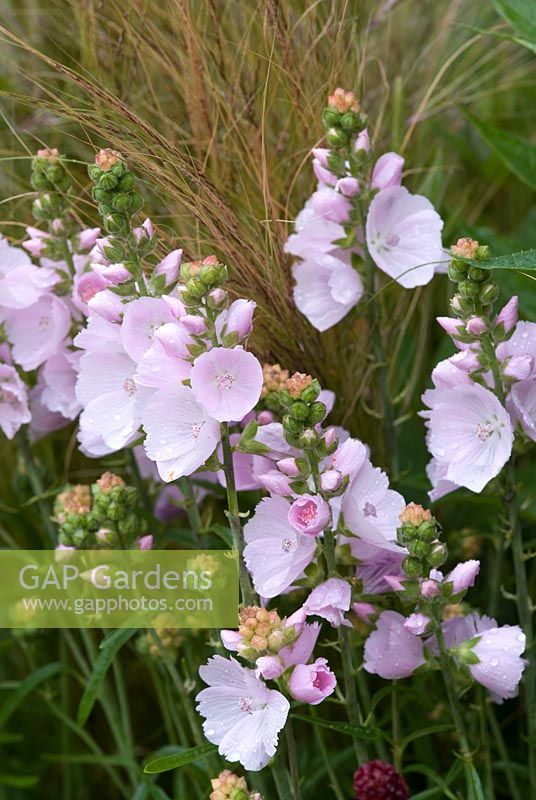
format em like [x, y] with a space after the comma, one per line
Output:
[8, 397]
[246, 705]
[130, 387]
[369, 510]
[307, 513]
[392, 240]
[45, 323]
[483, 431]
[321, 680]
[225, 381]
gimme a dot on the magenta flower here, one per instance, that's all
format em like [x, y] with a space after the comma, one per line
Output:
[180, 434]
[21, 282]
[275, 553]
[404, 236]
[37, 331]
[14, 410]
[371, 510]
[326, 289]
[391, 651]
[312, 683]
[377, 780]
[309, 514]
[242, 716]
[470, 432]
[227, 382]
[387, 171]
[330, 600]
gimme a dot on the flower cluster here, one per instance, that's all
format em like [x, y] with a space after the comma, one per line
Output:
[359, 211]
[486, 389]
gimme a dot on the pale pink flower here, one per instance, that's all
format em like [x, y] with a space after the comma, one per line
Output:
[59, 375]
[521, 343]
[387, 171]
[88, 237]
[320, 167]
[348, 457]
[476, 326]
[314, 235]
[436, 472]
[170, 266]
[180, 434]
[273, 437]
[288, 466]
[471, 432]
[391, 651]
[43, 420]
[248, 468]
[142, 318]
[371, 510]
[403, 234]
[312, 683]
[376, 565]
[37, 241]
[309, 514]
[463, 575]
[275, 553]
[269, 667]
[326, 289]
[165, 362]
[111, 273]
[348, 186]
[522, 406]
[363, 141]
[330, 204]
[330, 600]
[86, 286]
[508, 315]
[301, 650]
[330, 480]
[276, 482]
[145, 542]
[242, 716]
[14, 410]
[239, 318]
[227, 381]
[364, 611]
[108, 305]
[21, 282]
[37, 331]
[417, 624]
[519, 368]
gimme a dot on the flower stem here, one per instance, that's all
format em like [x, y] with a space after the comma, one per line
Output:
[248, 595]
[293, 760]
[352, 704]
[191, 508]
[36, 484]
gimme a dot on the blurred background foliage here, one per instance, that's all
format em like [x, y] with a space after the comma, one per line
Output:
[216, 104]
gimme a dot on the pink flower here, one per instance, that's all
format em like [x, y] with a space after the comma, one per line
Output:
[141, 320]
[417, 624]
[276, 483]
[86, 286]
[376, 565]
[463, 576]
[111, 273]
[239, 318]
[330, 480]
[288, 466]
[43, 420]
[404, 236]
[364, 611]
[21, 283]
[14, 410]
[314, 234]
[371, 510]
[387, 171]
[248, 468]
[349, 187]
[194, 324]
[309, 514]
[145, 542]
[330, 600]
[349, 457]
[320, 167]
[391, 651]
[108, 305]
[300, 651]
[170, 266]
[331, 204]
[59, 375]
[363, 141]
[312, 683]
[519, 368]
[144, 231]
[522, 406]
[269, 667]
[272, 436]
[37, 241]
[88, 237]
[521, 343]
[227, 382]
[476, 326]
[436, 472]
[37, 331]
[326, 289]
[275, 553]
[508, 315]
[500, 664]
[430, 588]
[242, 716]
[470, 432]
[180, 434]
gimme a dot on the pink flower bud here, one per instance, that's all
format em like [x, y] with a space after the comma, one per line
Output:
[312, 683]
[275, 483]
[114, 273]
[466, 360]
[231, 640]
[145, 231]
[324, 175]
[364, 611]
[240, 318]
[288, 466]
[194, 324]
[450, 325]
[176, 305]
[218, 296]
[57, 226]
[107, 304]
[321, 155]
[169, 266]
[269, 667]
[265, 417]
[37, 241]
[88, 238]
[349, 187]
[417, 624]
[508, 315]
[363, 141]
[330, 480]
[430, 588]
[331, 205]
[463, 575]
[387, 171]
[309, 514]
[394, 582]
[519, 367]
[476, 326]
[330, 437]
[145, 542]
[85, 287]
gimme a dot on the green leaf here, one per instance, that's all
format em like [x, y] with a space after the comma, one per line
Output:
[19, 781]
[411, 737]
[109, 649]
[174, 761]
[357, 731]
[525, 261]
[517, 153]
[24, 688]
[475, 786]
[521, 15]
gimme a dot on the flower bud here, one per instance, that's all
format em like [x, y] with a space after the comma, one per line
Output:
[194, 323]
[270, 667]
[317, 412]
[312, 683]
[476, 326]
[465, 247]
[240, 318]
[362, 142]
[387, 171]
[349, 187]
[169, 266]
[330, 480]
[508, 315]
[276, 483]
[412, 566]
[430, 588]
[288, 466]
[417, 624]
[438, 555]
[519, 368]
[488, 293]
[265, 417]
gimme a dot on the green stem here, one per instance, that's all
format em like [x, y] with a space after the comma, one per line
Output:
[36, 484]
[501, 747]
[448, 678]
[233, 514]
[352, 704]
[191, 508]
[484, 738]
[293, 760]
[395, 714]
[132, 465]
[335, 785]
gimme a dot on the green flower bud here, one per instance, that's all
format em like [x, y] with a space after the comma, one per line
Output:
[336, 137]
[488, 294]
[412, 566]
[330, 117]
[350, 122]
[292, 426]
[438, 555]
[317, 413]
[336, 163]
[427, 531]
[469, 288]
[39, 181]
[94, 172]
[419, 548]
[127, 182]
[123, 201]
[483, 253]
[465, 651]
[299, 410]
[309, 438]
[311, 392]
[209, 275]
[107, 181]
[457, 271]
[477, 274]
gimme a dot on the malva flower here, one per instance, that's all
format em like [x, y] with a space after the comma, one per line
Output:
[242, 716]
[403, 233]
[391, 651]
[59, 375]
[21, 282]
[14, 410]
[227, 382]
[312, 683]
[471, 433]
[387, 171]
[326, 289]
[276, 553]
[142, 318]
[37, 331]
[522, 406]
[309, 514]
[180, 434]
[330, 600]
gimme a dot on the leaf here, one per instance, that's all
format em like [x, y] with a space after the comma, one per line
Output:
[174, 761]
[24, 688]
[348, 728]
[411, 737]
[517, 153]
[521, 15]
[19, 781]
[475, 786]
[109, 649]
[525, 261]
